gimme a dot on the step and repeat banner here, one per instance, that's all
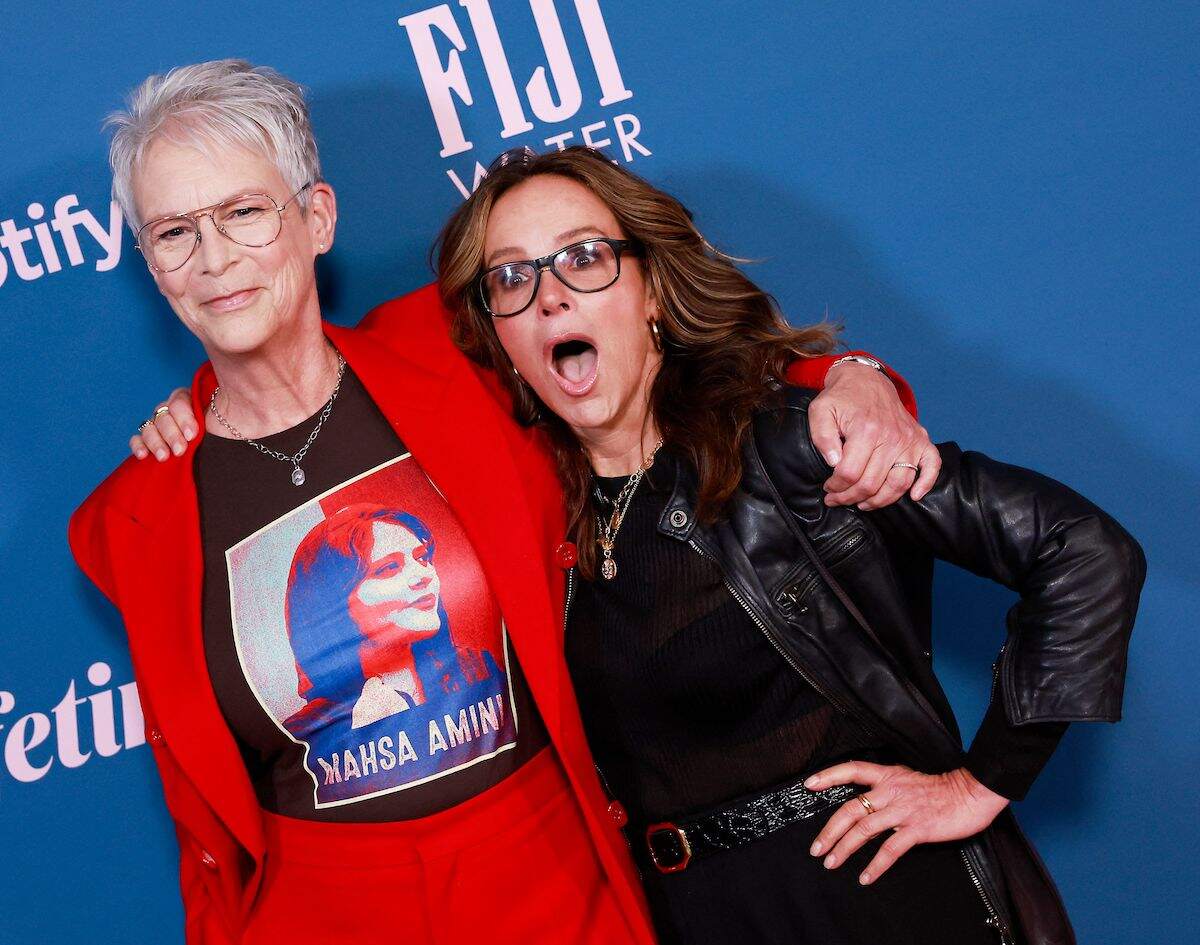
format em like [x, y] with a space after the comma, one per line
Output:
[998, 198]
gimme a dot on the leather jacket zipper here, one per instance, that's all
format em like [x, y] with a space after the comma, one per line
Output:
[835, 556]
[993, 919]
[996, 668]
[766, 631]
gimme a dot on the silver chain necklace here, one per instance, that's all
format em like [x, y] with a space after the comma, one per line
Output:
[610, 526]
[296, 458]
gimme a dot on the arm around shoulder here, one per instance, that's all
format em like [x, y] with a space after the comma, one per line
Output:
[812, 373]
[413, 313]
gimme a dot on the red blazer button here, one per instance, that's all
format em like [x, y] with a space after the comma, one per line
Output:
[616, 810]
[566, 555]
[156, 737]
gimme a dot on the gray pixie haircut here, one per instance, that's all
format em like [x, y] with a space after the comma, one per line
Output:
[225, 103]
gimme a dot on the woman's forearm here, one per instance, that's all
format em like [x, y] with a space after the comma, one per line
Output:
[1079, 574]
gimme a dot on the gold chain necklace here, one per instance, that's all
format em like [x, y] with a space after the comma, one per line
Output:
[609, 527]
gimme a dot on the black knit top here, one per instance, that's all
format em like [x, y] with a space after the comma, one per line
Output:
[687, 704]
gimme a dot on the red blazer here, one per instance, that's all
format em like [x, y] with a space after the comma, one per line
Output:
[138, 538]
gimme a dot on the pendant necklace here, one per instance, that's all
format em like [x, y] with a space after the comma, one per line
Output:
[296, 458]
[609, 527]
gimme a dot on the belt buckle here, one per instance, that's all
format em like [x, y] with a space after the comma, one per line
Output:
[683, 854]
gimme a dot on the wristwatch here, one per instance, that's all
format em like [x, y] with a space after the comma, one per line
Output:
[860, 358]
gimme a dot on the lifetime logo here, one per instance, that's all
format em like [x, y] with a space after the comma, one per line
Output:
[30, 262]
[28, 758]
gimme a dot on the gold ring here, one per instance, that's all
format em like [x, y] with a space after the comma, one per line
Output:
[867, 805]
[159, 411]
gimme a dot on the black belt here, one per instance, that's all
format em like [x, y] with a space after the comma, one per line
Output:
[672, 846]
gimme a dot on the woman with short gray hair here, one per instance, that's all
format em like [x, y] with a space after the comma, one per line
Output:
[325, 787]
[224, 105]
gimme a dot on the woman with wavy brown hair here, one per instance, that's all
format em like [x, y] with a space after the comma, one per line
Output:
[752, 663]
[704, 304]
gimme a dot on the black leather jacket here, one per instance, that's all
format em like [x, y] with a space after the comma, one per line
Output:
[844, 596]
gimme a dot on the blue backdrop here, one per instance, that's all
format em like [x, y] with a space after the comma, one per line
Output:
[1000, 199]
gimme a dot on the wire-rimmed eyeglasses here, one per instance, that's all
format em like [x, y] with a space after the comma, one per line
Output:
[587, 266]
[248, 220]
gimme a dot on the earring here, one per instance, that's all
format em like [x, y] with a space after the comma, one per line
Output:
[655, 334]
[517, 374]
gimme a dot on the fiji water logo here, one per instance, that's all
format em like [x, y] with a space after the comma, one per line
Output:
[70, 236]
[36, 741]
[552, 94]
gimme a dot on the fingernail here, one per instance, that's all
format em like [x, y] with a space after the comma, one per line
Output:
[189, 432]
[816, 848]
[864, 879]
[160, 455]
[830, 861]
[812, 782]
[140, 454]
[177, 449]
[833, 458]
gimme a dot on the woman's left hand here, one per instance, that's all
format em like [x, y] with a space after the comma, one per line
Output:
[916, 807]
[859, 405]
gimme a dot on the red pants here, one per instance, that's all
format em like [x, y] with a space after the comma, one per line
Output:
[513, 866]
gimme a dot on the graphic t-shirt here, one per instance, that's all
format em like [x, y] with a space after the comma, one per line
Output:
[355, 648]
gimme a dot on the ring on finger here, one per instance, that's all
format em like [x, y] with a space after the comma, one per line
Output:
[906, 466]
[145, 423]
[161, 409]
[866, 803]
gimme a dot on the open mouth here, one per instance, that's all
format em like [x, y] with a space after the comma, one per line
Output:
[574, 362]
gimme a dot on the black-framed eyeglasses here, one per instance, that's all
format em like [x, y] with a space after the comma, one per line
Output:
[587, 266]
[248, 220]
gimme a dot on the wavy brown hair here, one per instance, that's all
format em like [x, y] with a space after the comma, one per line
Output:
[725, 342]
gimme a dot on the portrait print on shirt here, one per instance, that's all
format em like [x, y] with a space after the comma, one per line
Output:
[365, 626]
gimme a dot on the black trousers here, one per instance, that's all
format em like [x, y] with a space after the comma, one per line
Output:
[773, 892]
